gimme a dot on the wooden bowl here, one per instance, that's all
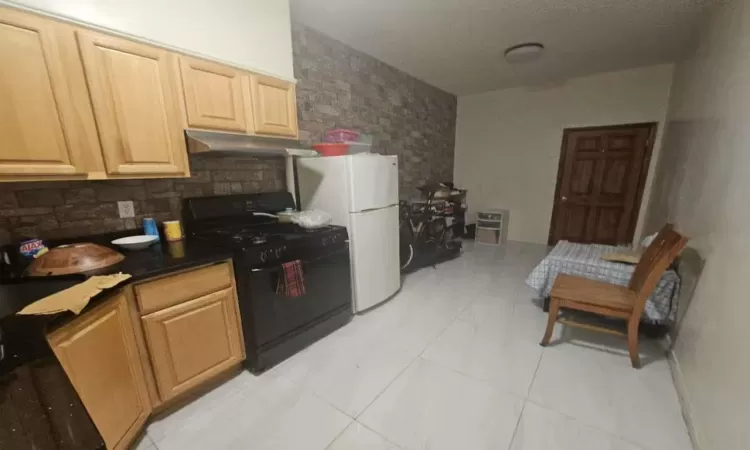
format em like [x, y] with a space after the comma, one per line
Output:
[73, 258]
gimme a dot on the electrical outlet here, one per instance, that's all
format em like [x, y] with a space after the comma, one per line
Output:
[126, 209]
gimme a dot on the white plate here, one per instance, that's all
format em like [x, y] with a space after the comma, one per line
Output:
[136, 242]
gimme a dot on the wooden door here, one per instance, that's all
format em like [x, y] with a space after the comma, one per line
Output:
[40, 132]
[274, 106]
[194, 341]
[135, 97]
[98, 352]
[214, 96]
[600, 183]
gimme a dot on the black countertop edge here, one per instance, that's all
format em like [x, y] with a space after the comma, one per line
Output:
[159, 259]
[156, 260]
[23, 336]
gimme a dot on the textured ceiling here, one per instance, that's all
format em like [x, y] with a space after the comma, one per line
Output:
[458, 45]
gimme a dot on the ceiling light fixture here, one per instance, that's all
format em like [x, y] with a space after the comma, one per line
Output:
[522, 53]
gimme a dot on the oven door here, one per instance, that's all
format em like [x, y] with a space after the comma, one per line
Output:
[328, 288]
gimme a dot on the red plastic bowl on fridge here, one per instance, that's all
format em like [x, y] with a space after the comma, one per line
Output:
[342, 135]
[332, 149]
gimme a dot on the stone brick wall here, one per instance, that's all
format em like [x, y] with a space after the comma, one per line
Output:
[339, 87]
[73, 208]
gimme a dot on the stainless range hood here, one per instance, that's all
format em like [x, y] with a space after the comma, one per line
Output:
[208, 142]
[199, 141]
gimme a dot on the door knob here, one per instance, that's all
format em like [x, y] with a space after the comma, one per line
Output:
[564, 198]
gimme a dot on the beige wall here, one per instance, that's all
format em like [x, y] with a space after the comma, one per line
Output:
[703, 185]
[508, 141]
[254, 34]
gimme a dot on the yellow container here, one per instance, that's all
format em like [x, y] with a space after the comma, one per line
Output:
[173, 230]
[176, 249]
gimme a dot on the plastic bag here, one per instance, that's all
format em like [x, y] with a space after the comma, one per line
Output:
[312, 219]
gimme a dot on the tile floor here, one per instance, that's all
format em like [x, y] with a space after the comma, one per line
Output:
[451, 362]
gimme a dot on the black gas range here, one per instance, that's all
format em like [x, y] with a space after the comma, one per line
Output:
[275, 324]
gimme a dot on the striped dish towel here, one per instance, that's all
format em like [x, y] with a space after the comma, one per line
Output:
[291, 282]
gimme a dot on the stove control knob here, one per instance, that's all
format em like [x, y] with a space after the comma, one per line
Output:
[334, 238]
[325, 241]
[263, 256]
[277, 252]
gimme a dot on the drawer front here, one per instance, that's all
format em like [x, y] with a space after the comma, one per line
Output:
[494, 224]
[490, 216]
[165, 292]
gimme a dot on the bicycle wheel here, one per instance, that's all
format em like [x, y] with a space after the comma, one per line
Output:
[407, 255]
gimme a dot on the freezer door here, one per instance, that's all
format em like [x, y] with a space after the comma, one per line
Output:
[374, 181]
[373, 239]
[324, 185]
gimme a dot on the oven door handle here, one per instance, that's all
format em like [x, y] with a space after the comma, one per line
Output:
[327, 255]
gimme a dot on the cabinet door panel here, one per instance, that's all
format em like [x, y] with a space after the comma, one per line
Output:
[274, 106]
[134, 94]
[40, 133]
[100, 356]
[213, 95]
[192, 342]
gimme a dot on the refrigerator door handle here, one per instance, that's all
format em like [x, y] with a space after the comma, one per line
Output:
[372, 209]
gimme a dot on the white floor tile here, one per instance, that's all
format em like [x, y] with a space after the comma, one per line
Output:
[144, 443]
[359, 437]
[523, 321]
[542, 429]
[504, 353]
[430, 407]
[210, 401]
[601, 389]
[412, 319]
[269, 414]
[348, 376]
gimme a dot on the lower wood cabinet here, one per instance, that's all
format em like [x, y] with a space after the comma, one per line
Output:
[99, 354]
[192, 342]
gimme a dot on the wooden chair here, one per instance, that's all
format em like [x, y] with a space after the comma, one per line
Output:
[613, 300]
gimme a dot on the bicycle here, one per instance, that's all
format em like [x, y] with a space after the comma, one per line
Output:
[426, 226]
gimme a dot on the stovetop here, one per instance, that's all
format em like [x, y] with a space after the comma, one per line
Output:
[269, 244]
[255, 235]
[246, 224]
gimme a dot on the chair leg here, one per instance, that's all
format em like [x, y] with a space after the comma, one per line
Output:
[554, 308]
[635, 358]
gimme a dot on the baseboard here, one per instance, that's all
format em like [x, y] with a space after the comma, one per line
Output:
[687, 411]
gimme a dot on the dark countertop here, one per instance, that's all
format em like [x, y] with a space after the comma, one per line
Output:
[38, 405]
[159, 259]
[15, 330]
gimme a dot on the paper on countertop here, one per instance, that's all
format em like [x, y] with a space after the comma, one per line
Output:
[75, 298]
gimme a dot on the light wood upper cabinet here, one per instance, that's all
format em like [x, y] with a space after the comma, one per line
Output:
[194, 341]
[214, 98]
[99, 354]
[274, 106]
[135, 96]
[40, 130]
[81, 104]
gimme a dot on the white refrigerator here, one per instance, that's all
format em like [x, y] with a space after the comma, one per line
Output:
[360, 192]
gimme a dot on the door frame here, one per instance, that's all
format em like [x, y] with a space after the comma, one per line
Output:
[652, 126]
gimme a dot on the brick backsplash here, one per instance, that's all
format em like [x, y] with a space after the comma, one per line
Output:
[60, 209]
[339, 87]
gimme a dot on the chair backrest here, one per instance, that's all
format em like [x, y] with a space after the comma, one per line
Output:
[655, 260]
